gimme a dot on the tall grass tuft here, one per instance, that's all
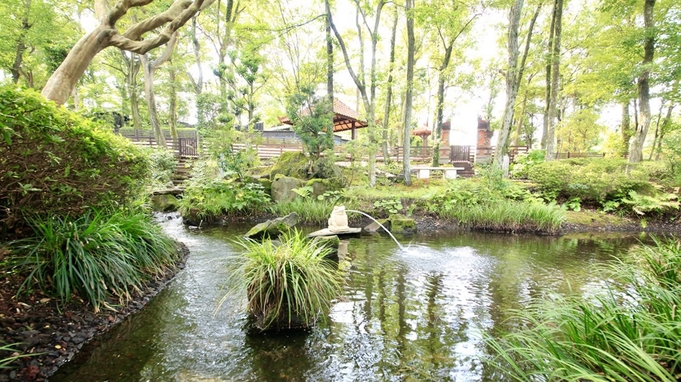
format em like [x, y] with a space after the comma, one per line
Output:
[632, 332]
[507, 215]
[310, 211]
[288, 284]
[96, 256]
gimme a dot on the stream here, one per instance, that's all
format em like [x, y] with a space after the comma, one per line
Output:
[413, 314]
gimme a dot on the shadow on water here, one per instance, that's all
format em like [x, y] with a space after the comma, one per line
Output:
[417, 313]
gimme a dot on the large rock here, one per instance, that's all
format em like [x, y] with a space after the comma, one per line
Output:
[291, 163]
[375, 226]
[320, 186]
[402, 224]
[273, 228]
[282, 188]
[164, 202]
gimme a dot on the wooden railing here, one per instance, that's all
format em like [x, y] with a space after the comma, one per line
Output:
[569, 155]
[488, 151]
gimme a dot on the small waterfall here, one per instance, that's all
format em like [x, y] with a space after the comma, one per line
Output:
[376, 221]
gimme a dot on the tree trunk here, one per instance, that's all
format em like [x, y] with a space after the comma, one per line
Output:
[439, 111]
[555, 79]
[172, 103]
[389, 90]
[64, 79]
[329, 66]
[198, 83]
[149, 70]
[625, 128]
[406, 135]
[521, 119]
[134, 92]
[636, 147]
[511, 82]
[663, 130]
[549, 66]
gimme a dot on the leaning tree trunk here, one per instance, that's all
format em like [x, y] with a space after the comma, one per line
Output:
[636, 147]
[64, 79]
[172, 103]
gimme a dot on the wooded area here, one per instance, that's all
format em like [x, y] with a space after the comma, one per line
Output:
[562, 66]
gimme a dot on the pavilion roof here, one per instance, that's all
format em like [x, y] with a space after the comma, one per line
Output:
[344, 117]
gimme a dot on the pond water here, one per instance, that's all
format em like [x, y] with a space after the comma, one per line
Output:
[416, 314]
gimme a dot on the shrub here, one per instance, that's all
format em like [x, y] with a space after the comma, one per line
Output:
[593, 181]
[629, 332]
[288, 284]
[522, 163]
[162, 165]
[208, 196]
[96, 255]
[54, 161]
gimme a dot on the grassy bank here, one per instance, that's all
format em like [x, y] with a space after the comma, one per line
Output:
[631, 331]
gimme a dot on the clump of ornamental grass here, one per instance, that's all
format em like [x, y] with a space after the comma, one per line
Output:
[629, 332]
[96, 256]
[289, 284]
[506, 215]
[310, 211]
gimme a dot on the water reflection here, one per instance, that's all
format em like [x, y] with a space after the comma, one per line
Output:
[413, 314]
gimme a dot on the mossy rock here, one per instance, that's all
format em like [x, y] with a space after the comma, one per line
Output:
[273, 228]
[291, 163]
[267, 185]
[164, 203]
[320, 186]
[402, 224]
[282, 188]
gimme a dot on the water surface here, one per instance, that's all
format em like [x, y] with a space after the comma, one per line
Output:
[416, 314]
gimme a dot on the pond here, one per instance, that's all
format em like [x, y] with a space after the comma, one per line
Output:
[416, 314]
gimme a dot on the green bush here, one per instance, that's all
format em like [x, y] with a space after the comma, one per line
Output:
[593, 181]
[162, 165]
[289, 284]
[54, 161]
[96, 255]
[629, 332]
[522, 163]
[208, 196]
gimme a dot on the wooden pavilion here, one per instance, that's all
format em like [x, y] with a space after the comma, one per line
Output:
[344, 118]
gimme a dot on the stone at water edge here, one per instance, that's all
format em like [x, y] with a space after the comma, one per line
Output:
[402, 224]
[273, 228]
[374, 227]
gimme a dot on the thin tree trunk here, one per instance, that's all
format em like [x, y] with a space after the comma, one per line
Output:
[549, 66]
[149, 70]
[555, 81]
[636, 147]
[329, 66]
[389, 90]
[663, 130]
[511, 82]
[406, 156]
[172, 103]
[521, 119]
[625, 128]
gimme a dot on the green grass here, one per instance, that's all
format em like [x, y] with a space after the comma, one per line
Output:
[96, 256]
[506, 215]
[288, 284]
[631, 332]
[6, 360]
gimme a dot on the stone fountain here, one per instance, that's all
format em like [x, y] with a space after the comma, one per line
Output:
[338, 224]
